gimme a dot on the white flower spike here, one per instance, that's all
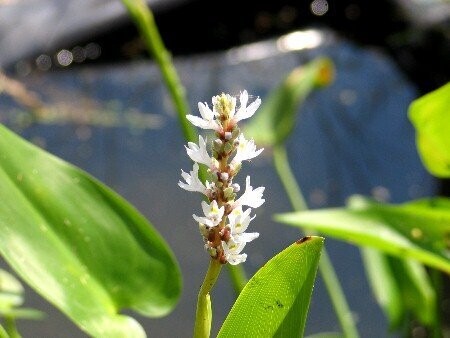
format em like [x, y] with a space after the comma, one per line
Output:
[224, 223]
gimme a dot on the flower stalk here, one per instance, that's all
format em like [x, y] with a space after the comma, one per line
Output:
[203, 318]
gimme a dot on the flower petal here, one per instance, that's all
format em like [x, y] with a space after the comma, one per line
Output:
[251, 198]
[246, 237]
[245, 112]
[246, 150]
[198, 153]
[193, 183]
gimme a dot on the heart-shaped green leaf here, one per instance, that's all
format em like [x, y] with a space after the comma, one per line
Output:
[278, 113]
[80, 245]
[275, 301]
[430, 116]
[417, 230]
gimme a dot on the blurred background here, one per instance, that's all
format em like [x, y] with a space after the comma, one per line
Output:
[75, 79]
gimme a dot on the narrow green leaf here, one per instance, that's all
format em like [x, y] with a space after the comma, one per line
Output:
[416, 230]
[275, 301]
[417, 291]
[430, 116]
[80, 245]
[278, 112]
[384, 285]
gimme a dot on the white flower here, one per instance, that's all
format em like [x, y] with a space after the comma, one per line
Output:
[238, 223]
[239, 220]
[232, 252]
[193, 183]
[245, 112]
[207, 120]
[198, 153]
[213, 214]
[246, 150]
[251, 198]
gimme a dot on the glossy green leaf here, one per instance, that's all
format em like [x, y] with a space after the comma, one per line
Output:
[430, 116]
[277, 114]
[275, 301]
[80, 245]
[416, 230]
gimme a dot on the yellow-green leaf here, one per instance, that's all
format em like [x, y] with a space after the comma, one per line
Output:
[430, 116]
[275, 301]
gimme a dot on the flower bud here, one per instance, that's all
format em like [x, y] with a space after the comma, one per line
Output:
[229, 194]
[228, 148]
[236, 132]
[224, 176]
[236, 187]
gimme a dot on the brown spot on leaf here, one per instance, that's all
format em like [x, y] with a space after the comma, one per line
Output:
[268, 307]
[303, 240]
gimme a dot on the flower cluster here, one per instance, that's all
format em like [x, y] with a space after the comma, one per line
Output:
[224, 219]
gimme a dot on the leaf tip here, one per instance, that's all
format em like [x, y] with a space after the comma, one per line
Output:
[308, 238]
[303, 240]
[326, 72]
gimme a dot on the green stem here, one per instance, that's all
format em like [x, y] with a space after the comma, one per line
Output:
[11, 328]
[326, 269]
[287, 178]
[203, 315]
[238, 277]
[145, 22]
